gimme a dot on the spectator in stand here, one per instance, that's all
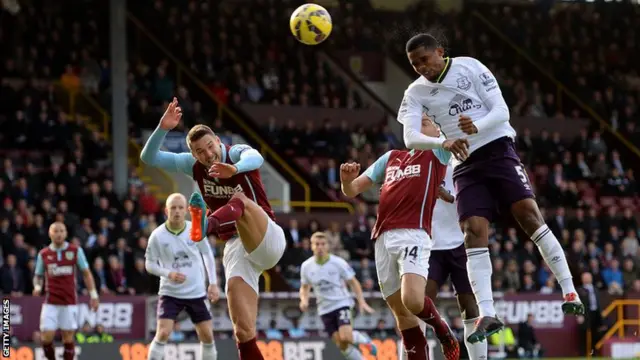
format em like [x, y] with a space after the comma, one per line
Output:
[13, 279]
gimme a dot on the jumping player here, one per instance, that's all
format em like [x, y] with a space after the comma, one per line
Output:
[178, 261]
[464, 98]
[449, 259]
[57, 263]
[402, 234]
[327, 274]
[230, 182]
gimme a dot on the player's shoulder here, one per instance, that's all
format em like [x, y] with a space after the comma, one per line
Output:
[467, 63]
[307, 263]
[45, 250]
[416, 85]
[157, 232]
[338, 260]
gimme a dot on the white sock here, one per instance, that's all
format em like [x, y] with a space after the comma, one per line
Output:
[156, 350]
[209, 351]
[360, 338]
[480, 269]
[553, 255]
[479, 350]
[352, 353]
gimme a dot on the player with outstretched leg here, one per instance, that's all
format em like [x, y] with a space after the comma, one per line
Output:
[229, 180]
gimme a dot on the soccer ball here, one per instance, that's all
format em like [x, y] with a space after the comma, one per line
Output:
[311, 24]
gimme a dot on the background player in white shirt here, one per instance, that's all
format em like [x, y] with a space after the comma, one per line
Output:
[464, 98]
[449, 260]
[328, 275]
[177, 260]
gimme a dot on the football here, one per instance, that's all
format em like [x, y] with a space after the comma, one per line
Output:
[311, 24]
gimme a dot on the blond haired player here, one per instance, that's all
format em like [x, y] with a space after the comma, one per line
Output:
[232, 189]
[328, 275]
[178, 261]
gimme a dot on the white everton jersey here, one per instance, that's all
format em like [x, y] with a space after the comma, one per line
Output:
[328, 282]
[177, 252]
[464, 87]
[444, 223]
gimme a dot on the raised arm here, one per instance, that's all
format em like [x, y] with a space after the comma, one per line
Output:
[151, 154]
[353, 186]
[172, 162]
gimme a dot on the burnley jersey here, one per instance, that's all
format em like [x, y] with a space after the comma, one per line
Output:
[217, 192]
[409, 188]
[58, 267]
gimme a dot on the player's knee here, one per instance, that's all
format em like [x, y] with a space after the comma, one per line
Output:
[162, 334]
[474, 231]
[528, 215]
[206, 337]
[413, 301]
[244, 331]
[346, 336]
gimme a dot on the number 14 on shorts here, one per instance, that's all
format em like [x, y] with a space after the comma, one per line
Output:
[411, 252]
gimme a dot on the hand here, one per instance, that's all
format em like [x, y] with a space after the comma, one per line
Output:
[349, 172]
[364, 307]
[213, 293]
[222, 170]
[93, 304]
[444, 195]
[304, 305]
[36, 292]
[177, 277]
[458, 147]
[172, 116]
[466, 125]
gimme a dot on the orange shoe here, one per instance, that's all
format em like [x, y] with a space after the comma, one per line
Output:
[198, 211]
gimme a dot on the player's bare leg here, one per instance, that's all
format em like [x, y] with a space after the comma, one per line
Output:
[243, 309]
[527, 214]
[479, 268]
[414, 299]
[413, 339]
[204, 330]
[343, 338]
[47, 338]
[164, 327]
[469, 313]
[69, 342]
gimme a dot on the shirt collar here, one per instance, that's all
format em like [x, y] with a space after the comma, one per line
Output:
[64, 247]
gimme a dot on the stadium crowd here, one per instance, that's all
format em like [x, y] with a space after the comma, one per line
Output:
[56, 169]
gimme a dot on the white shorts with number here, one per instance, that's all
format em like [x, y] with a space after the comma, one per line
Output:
[399, 252]
[54, 317]
[237, 262]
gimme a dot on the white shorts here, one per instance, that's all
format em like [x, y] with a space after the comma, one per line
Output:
[237, 262]
[398, 252]
[54, 317]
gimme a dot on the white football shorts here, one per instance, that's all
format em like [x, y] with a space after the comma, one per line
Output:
[237, 262]
[54, 317]
[399, 252]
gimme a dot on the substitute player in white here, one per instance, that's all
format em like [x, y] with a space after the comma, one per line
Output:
[464, 98]
[328, 275]
[178, 262]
